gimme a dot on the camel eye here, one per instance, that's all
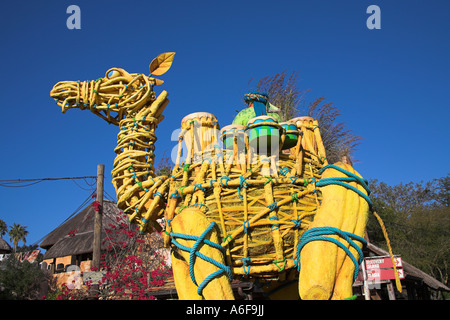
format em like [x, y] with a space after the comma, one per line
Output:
[112, 74]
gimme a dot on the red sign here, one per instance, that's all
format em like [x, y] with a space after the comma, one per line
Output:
[382, 263]
[384, 274]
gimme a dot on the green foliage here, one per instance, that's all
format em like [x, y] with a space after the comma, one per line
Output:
[17, 233]
[20, 280]
[284, 93]
[417, 218]
[3, 228]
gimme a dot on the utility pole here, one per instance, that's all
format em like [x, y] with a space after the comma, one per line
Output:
[98, 223]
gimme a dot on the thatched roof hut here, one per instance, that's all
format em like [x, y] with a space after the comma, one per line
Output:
[4, 247]
[76, 235]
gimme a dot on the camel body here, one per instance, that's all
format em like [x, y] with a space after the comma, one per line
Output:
[278, 217]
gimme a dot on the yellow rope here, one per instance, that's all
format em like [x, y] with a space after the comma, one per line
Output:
[386, 237]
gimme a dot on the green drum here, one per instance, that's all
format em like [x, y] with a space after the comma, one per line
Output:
[228, 133]
[264, 134]
[291, 135]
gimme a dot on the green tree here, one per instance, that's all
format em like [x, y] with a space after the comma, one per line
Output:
[20, 280]
[284, 93]
[443, 191]
[417, 218]
[3, 228]
[17, 233]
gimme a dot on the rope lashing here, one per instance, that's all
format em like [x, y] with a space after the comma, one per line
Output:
[198, 186]
[226, 179]
[243, 184]
[193, 253]
[269, 180]
[341, 181]
[294, 197]
[284, 171]
[246, 225]
[134, 176]
[198, 205]
[272, 206]
[175, 195]
[246, 263]
[181, 190]
[320, 233]
[363, 182]
[293, 179]
[276, 262]
[297, 223]
[275, 226]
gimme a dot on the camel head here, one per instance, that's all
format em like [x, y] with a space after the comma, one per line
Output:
[128, 101]
[117, 95]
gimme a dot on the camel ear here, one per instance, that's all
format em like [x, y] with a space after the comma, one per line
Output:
[157, 82]
[161, 63]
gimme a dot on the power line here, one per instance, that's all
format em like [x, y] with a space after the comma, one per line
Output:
[80, 207]
[19, 183]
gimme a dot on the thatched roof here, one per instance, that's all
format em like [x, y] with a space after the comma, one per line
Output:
[4, 246]
[412, 271]
[76, 235]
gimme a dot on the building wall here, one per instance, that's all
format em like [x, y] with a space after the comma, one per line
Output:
[71, 276]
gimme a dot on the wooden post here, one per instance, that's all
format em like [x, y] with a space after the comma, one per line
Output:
[391, 291]
[98, 217]
[96, 246]
[365, 284]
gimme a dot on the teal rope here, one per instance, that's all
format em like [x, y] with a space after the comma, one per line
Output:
[198, 186]
[242, 186]
[226, 179]
[193, 253]
[246, 263]
[297, 223]
[175, 195]
[274, 226]
[272, 206]
[246, 225]
[318, 233]
[341, 182]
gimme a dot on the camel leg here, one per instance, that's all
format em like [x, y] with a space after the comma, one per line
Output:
[186, 289]
[192, 221]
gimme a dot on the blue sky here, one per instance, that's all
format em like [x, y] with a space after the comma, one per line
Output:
[391, 85]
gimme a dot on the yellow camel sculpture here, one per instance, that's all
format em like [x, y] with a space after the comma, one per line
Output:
[232, 212]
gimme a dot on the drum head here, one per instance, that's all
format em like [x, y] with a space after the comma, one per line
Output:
[231, 128]
[198, 115]
[299, 119]
[261, 119]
